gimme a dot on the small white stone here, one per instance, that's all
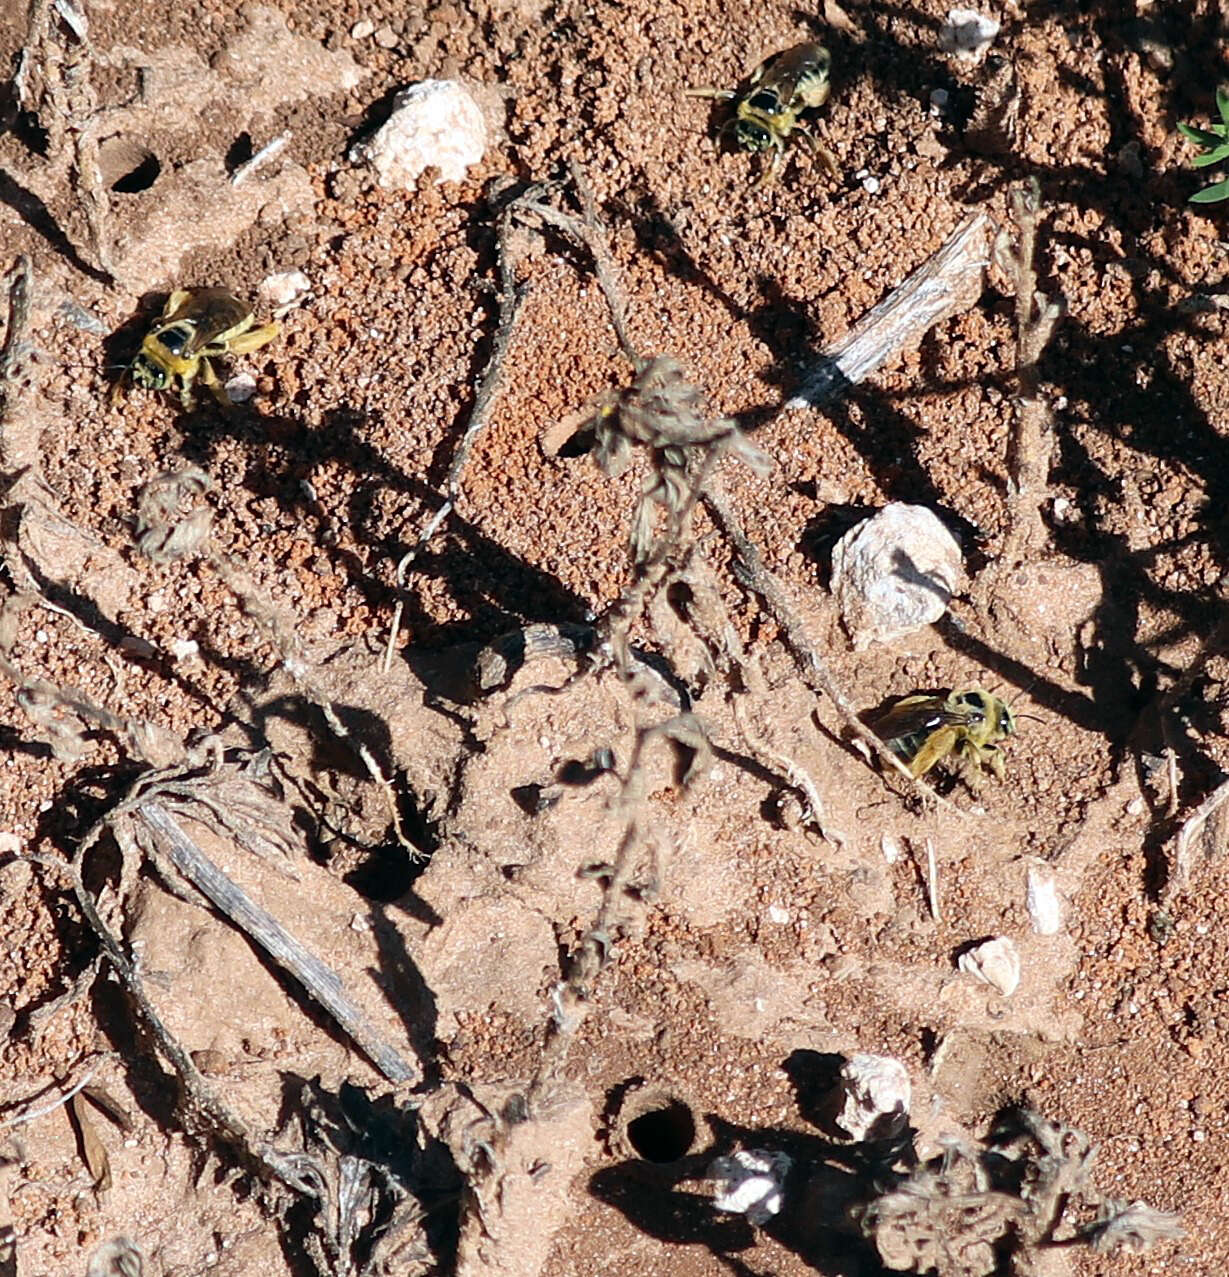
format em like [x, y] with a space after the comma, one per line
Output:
[240, 388]
[284, 288]
[1136, 806]
[10, 844]
[778, 915]
[1041, 899]
[434, 124]
[359, 922]
[362, 29]
[967, 34]
[185, 649]
[876, 1095]
[894, 573]
[870, 185]
[750, 1182]
[41, 636]
[997, 962]
[890, 847]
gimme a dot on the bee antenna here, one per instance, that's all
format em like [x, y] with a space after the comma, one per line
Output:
[1036, 718]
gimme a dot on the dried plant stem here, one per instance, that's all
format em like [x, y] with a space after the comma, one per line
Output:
[31, 1115]
[945, 285]
[1032, 443]
[320, 983]
[511, 297]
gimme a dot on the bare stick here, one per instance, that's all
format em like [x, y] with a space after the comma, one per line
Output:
[320, 983]
[950, 282]
[511, 297]
[31, 1114]
[263, 156]
[1032, 441]
[1191, 827]
[932, 880]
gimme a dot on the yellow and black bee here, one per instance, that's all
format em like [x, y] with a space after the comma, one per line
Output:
[196, 325]
[770, 109]
[922, 730]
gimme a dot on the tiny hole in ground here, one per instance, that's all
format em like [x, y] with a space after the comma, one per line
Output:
[663, 1134]
[126, 165]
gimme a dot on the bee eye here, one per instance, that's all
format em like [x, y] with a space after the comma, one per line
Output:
[752, 136]
[173, 339]
[764, 100]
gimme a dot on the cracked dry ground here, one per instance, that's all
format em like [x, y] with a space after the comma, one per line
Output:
[749, 948]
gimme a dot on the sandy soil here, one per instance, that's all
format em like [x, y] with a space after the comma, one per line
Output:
[747, 955]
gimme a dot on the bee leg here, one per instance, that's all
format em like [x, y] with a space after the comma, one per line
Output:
[937, 745]
[722, 95]
[820, 151]
[253, 340]
[769, 176]
[214, 386]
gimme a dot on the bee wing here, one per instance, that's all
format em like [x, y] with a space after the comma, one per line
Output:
[212, 311]
[915, 714]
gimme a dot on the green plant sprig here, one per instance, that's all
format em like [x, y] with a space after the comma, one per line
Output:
[1215, 142]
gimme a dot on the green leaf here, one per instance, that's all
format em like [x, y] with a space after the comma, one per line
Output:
[1222, 104]
[1218, 156]
[1212, 194]
[1202, 136]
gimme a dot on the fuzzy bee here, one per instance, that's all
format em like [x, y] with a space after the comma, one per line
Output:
[769, 110]
[196, 325]
[922, 730]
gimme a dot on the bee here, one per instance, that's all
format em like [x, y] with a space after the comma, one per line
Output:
[922, 730]
[196, 325]
[769, 110]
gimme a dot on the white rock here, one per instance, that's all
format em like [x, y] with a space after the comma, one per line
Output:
[185, 649]
[362, 29]
[284, 288]
[1044, 907]
[434, 124]
[891, 848]
[876, 1095]
[750, 1182]
[240, 388]
[778, 915]
[967, 34]
[997, 962]
[894, 573]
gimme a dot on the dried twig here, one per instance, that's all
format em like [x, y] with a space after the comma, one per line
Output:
[263, 156]
[511, 296]
[42, 1110]
[317, 980]
[1032, 443]
[950, 282]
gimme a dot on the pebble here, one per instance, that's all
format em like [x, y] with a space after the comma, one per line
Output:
[386, 37]
[362, 29]
[434, 124]
[750, 1182]
[967, 34]
[894, 573]
[997, 962]
[876, 1097]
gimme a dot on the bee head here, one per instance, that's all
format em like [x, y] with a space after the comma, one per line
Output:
[148, 374]
[750, 135]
